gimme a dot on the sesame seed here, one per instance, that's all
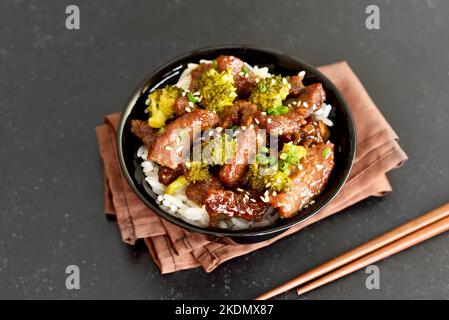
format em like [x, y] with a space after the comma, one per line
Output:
[275, 193]
[266, 193]
[191, 104]
[284, 80]
[196, 93]
[241, 73]
[268, 184]
[306, 104]
[147, 102]
[240, 190]
[295, 103]
[302, 74]
[263, 113]
[269, 120]
[253, 200]
[168, 148]
[257, 121]
[219, 129]
[183, 93]
[251, 126]
[263, 199]
[257, 80]
[246, 75]
[243, 128]
[246, 196]
[188, 109]
[273, 81]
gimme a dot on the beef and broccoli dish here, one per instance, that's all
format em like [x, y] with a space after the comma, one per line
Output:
[232, 146]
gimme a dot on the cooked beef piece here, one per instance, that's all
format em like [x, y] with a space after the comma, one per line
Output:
[197, 192]
[232, 171]
[229, 117]
[180, 106]
[144, 132]
[240, 113]
[296, 85]
[168, 175]
[169, 148]
[225, 204]
[324, 131]
[196, 74]
[245, 83]
[304, 112]
[307, 182]
[247, 111]
[283, 125]
[232, 63]
[314, 132]
[313, 95]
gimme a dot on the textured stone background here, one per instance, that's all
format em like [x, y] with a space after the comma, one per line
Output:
[56, 85]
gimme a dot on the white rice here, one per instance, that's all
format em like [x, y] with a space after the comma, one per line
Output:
[322, 114]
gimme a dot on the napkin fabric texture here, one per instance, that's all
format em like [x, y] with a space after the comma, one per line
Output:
[173, 248]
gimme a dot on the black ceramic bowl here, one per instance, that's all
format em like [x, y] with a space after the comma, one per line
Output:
[342, 133]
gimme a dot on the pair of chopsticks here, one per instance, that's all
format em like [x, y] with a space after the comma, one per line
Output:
[412, 233]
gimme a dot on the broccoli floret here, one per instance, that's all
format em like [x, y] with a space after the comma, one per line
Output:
[290, 157]
[260, 177]
[197, 171]
[218, 150]
[279, 181]
[160, 106]
[217, 90]
[270, 93]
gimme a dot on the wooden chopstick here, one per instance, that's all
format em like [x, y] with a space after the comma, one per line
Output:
[393, 248]
[367, 248]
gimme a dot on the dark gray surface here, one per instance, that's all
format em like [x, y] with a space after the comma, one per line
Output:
[56, 85]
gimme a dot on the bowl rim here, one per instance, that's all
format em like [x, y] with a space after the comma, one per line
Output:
[143, 86]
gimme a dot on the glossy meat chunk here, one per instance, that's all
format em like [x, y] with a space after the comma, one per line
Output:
[245, 83]
[240, 113]
[181, 106]
[314, 132]
[169, 148]
[306, 183]
[197, 192]
[296, 85]
[286, 124]
[225, 204]
[231, 63]
[144, 132]
[235, 169]
[167, 175]
[313, 95]
[196, 74]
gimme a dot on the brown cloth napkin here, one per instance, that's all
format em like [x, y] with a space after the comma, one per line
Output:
[173, 248]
